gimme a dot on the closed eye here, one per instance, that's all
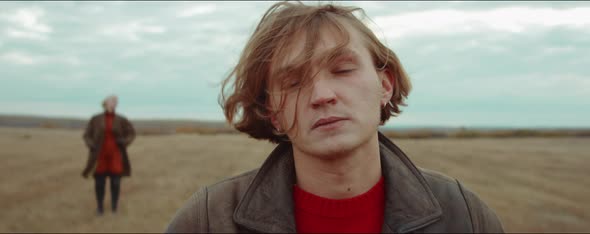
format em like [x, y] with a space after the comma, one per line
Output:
[293, 84]
[344, 68]
[343, 71]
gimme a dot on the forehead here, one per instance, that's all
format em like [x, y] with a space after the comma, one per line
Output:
[111, 99]
[328, 39]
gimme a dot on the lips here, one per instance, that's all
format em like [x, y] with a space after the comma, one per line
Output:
[326, 121]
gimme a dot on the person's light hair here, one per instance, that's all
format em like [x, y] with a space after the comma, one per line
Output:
[245, 91]
[104, 101]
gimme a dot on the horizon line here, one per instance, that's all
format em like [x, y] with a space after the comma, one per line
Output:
[405, 126]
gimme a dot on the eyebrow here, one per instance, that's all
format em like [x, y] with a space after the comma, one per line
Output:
[343, 54]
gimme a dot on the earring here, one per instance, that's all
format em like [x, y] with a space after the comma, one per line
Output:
[277, 131]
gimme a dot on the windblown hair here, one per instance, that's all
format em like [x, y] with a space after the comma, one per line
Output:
[245, 91]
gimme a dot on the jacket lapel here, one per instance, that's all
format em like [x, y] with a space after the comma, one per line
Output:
[267, 205]
[99, 131]
[409, 202]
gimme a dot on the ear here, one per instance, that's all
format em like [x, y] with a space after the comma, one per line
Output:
[387, 84]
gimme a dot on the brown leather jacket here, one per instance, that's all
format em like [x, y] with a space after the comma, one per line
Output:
[94, 135]
[417, 200]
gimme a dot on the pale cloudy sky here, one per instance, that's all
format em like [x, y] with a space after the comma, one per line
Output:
[480, 64]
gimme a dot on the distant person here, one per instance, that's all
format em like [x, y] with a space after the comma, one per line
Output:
[107, 136]
[318, 82]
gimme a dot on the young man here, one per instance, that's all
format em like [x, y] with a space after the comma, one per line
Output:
[316, 80]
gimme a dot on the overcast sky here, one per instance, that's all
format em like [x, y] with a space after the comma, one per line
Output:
[481, 64]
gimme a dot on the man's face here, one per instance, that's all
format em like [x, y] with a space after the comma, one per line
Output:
[111, 104]
[340, 109]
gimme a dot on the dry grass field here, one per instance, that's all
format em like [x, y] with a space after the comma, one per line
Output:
[534, 184]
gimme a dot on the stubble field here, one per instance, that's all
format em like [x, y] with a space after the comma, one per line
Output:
[533, 184]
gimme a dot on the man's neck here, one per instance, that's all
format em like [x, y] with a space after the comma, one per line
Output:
[344, 176]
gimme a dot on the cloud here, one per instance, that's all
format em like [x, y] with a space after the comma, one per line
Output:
[558, 50]
[568, 85]
[70, 60]
[169, 58]
[27, 24]
[533, 88]
[196, 10]
[71, 80]
[23, 58]
[126, 76]
[15, 33]
[20, 58]
[132, 31]
[94, 9]
[506, 19]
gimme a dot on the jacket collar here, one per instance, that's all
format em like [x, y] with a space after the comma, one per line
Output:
[103, 115]
[267, 205]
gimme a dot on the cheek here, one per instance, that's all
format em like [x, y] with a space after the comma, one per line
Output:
[364, 96]
[292, 108]
[366, 90]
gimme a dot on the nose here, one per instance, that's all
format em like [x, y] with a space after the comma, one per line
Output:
[322, 94]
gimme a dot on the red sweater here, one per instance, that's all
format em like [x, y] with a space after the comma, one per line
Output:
[109, 159]
[360, 214]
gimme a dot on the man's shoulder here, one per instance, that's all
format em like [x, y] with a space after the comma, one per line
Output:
[438, 177]
[446, 189]
[218, 200]
[226, 191]
[458, 201]
[96, 115]
[236, 185]
[442, 184]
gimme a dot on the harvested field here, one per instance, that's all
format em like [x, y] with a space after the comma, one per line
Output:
[534, 184]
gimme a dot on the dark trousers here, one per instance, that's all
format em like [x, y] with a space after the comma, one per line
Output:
[100, 184]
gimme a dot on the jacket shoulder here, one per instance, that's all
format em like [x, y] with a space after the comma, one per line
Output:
[212, 206]
[95, 116]
[458, 201]
[237, 185]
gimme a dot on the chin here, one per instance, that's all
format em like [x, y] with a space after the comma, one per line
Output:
[332, 147]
